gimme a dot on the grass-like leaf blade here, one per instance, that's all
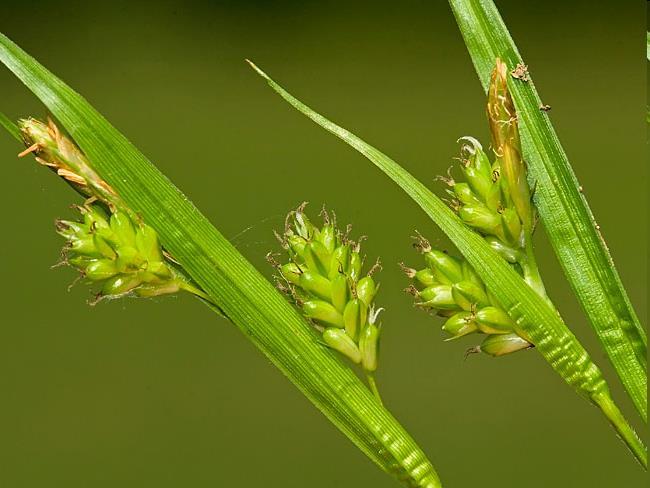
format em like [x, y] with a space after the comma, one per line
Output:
[568, 220]
[10, 126]
[245, 296]
[552, 338]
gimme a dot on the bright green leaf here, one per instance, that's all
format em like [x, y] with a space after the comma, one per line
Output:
[533, 315]
[245, 296]
[569, 223]
[10, 126]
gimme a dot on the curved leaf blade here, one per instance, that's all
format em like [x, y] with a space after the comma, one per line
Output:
[569, 222]
[245, 296]
[10, 127]
[553, 339]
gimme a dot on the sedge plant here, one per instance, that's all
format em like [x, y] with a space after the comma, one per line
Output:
[139, 235]
[221, 276]
[535, 319]
[494, 200]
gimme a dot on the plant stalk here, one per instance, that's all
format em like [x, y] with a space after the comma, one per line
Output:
[531, 272]
[373, 387]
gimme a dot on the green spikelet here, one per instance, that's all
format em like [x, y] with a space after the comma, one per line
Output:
[119, 255]
[324, 277]
[452, 289]
[495, 198]
[110, 246]
[484, 200]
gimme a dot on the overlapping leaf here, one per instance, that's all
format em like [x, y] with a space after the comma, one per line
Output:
[569, 223]
[531, 312]
[243, 294]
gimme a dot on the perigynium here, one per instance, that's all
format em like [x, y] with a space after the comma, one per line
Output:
[450, 287]
[110, 246]
[324, 278]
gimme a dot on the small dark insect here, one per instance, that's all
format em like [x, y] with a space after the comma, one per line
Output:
[520, 72]
[544, 108]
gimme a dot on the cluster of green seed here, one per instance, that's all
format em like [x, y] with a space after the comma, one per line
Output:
[122, 256]
[484, 201]
[495, 200]
[110, 246]
[452, 289]
[324, 278]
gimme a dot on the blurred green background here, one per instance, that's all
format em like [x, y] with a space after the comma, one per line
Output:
[164, 393]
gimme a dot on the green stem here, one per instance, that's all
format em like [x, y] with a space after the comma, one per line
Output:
[373, 387]
[616, 418]
[531, 272]
[184, 285]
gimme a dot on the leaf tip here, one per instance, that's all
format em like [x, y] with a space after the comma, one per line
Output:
[258, 70]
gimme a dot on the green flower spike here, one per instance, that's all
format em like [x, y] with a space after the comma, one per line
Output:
[110, 246]
[450, 288]
[495, 198]
[324, 278]
[120, 255]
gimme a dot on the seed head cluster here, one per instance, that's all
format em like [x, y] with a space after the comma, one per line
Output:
[452, 289]
[122, 256]
[495, 198]
[483, 201]
[111, 246]
[324, 277]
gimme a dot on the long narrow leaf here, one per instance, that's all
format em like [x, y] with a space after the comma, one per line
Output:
[569, 223]
[553, 340]
[248, 299]
[10, 127]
